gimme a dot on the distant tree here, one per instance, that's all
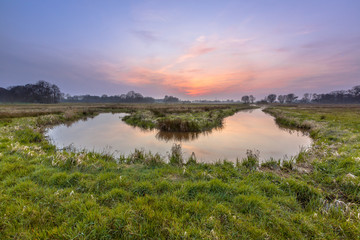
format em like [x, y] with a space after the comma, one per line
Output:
[355, 91]
[245, 99]
[41, 92]
[4, 95]
[290, 98]
[56, 94]
[306, 98]
[252, 99]
[170, 99]
[130, 97]
[271, 98]
[133, 95]
[263, 101]
[281, 98]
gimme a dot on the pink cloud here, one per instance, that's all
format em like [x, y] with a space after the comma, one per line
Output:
[208, 67]
[195, 51]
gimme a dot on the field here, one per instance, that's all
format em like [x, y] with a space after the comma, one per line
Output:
[50, 194]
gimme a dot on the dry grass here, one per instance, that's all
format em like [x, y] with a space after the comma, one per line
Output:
[33, 110]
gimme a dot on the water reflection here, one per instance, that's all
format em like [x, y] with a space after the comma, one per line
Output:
[251, 129]
[178, 136]
[183, 136]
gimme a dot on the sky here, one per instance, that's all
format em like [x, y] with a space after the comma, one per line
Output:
[190, 49]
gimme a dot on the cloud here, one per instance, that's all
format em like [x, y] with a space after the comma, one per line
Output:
[196, 51]
[189, 83]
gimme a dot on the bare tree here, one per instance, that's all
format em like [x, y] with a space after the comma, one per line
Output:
[252, 99]
[245, 99]
[271, 98]
[306, 98]
[281, 98]
[290, 98]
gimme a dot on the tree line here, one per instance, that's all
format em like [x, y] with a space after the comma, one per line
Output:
[40, 92]
[130, 97]
[45, 92]
[335, 97]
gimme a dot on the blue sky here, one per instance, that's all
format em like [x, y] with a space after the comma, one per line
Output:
[191, 49]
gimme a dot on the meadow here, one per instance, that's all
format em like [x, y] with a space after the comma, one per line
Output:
[47, 193]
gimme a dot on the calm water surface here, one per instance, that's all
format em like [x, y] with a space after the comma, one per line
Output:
[251, 129]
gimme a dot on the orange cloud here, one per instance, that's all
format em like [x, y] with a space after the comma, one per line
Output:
[222, 72]
[195, 51]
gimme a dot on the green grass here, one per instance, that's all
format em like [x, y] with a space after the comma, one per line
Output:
[51, 194]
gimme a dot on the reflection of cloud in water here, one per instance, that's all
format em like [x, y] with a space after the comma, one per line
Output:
[245, 130]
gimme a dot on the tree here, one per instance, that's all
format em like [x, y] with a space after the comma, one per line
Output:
[271, 98]
[252, 99]
[281, 98]
[355, 91]
[41, 92]
[245, 99]
[56, 94]
[290, 98]
[306, 98]
[170, 99]
[4, 95]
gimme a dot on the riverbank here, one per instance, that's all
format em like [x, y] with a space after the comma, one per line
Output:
[51, 194]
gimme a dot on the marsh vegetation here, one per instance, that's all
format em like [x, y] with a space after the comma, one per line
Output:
[56, 194]
[196, 120]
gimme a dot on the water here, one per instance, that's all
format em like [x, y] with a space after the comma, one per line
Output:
[250, 129]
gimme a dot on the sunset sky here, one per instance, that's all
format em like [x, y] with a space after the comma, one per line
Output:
[190, 49]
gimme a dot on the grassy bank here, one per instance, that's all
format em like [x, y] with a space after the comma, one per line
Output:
[335, 157]
[193, 120]
[51, 194]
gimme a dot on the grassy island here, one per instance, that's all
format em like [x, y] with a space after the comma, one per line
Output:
[179, 120]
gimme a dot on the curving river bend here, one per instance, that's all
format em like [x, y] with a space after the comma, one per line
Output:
[248, 129]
